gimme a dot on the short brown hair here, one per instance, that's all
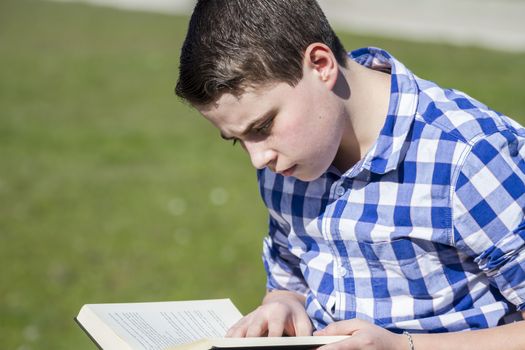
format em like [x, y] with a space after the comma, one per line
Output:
[233, 44]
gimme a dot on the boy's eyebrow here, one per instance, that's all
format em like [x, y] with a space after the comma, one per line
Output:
[250, 127]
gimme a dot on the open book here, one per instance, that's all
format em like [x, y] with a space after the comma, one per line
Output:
[177, 325]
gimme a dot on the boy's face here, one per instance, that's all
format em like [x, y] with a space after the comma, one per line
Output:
[295, 131]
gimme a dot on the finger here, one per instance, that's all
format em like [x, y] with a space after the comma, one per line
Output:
[238, 330]
[319, 332]
[344, 327]
[303, 326]
[275, 328]
[258, 327]
[347, 344]
[337, 346]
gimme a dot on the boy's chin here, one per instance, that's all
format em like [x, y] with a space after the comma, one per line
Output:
[307, 179]
[307, 176]
[304, 174]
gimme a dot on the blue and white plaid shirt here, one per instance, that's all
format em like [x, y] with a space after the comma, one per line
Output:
[426, 233]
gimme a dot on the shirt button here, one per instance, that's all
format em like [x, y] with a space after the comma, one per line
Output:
[340, 191]
[341, 271]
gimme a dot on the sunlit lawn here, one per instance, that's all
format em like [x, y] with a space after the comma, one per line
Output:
[113, 190]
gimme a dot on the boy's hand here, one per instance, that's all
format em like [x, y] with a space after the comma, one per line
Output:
[281, 313]
[364, 336]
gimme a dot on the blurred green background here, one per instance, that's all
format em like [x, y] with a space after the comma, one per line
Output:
[112, 190]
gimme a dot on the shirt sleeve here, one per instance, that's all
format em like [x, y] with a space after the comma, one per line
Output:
[488, 217]
[282, 267]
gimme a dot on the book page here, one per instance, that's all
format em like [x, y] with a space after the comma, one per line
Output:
[159, 325]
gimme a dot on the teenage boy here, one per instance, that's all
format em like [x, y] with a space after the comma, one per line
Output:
[396, 206]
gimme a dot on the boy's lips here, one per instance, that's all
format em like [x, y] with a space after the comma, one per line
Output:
[288, 172]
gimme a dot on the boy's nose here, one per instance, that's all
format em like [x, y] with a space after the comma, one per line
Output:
[260, 155]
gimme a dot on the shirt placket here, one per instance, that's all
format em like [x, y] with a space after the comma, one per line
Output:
[343, 282]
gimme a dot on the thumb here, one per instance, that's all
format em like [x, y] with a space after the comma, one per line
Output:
[320, 332]
[341, 328]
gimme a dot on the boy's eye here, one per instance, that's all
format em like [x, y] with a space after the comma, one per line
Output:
[265, 127]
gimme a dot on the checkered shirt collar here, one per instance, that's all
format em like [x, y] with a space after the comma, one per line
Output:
[390, 147]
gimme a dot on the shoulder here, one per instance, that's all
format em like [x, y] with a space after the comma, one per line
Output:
[460, 117]
[489, 191]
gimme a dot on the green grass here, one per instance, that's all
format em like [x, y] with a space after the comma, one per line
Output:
[106, 178]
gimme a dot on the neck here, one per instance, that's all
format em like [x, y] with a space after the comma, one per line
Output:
[366, 108]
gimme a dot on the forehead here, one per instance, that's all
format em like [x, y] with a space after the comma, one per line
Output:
[245, 107]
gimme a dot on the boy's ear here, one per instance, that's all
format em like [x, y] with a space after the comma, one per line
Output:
[320, 60]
